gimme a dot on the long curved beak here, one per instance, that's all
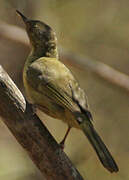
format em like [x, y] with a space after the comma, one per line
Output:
[25, 19]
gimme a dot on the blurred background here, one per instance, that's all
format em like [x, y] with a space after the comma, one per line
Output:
[98, 30]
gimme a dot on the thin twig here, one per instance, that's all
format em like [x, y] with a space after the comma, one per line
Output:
[32, 134]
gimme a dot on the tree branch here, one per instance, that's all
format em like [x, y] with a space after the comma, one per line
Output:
[32, 134]
[102, 70]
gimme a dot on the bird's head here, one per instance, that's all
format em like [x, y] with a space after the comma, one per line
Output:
[39, 33]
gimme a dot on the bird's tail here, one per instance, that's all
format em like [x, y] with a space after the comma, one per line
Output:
[98, 145]
[100, 148]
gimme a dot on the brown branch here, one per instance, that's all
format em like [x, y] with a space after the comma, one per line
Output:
[32, 134]
[104, 71]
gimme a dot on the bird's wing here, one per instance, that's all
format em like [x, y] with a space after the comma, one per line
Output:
[51, 77]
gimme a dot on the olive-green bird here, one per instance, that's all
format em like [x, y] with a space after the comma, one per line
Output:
[51, 86]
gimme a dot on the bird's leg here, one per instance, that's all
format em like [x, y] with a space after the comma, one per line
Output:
[63, 141]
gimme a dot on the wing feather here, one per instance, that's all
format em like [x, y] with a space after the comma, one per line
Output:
[57, 82]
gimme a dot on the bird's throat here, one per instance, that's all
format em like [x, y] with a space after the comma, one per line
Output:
[48, 49]
[45, 49]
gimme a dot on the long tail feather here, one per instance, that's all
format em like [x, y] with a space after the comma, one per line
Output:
[100, 148]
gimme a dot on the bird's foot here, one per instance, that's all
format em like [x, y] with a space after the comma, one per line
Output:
[62, 145]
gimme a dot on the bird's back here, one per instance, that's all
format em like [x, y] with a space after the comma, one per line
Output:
[48, 83]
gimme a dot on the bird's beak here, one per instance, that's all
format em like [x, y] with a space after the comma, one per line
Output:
[25, 19]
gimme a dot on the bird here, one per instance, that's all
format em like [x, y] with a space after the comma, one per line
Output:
[52, 87]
